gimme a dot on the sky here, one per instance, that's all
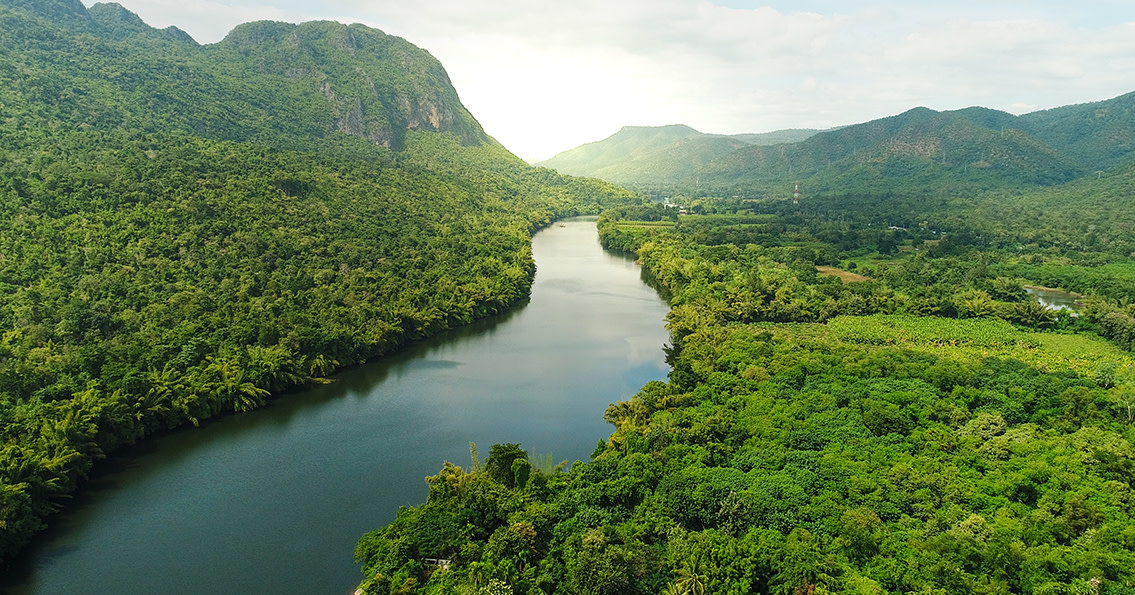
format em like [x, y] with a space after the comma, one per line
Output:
[544, 76]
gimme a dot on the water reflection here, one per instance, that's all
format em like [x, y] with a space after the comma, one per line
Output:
[274, 500]
[1055, 299]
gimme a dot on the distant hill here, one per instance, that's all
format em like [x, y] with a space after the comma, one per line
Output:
[921, 150]
[1099, 134]
[662, 154]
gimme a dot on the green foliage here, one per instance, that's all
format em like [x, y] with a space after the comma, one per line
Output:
[186, 230]
[646, 157]
[502, 463]
[847, 481]
[924, 430]
[878, 330]
[923, 153]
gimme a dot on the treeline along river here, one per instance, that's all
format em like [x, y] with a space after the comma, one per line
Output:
[272, 501]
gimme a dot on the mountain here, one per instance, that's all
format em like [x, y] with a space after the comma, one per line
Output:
[664, 154]
[377, 86]
[186, 230]
[271, 82]
[968, 150]
[971, 148]
[1099, 135]
[113, 20]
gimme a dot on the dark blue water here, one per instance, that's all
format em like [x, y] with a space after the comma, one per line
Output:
[273, 501]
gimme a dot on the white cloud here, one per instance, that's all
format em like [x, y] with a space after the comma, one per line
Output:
[207, 21]
[544, 75]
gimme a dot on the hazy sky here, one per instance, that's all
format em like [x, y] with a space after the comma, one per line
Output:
[544, 76]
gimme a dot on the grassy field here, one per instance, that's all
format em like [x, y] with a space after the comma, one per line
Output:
[967, 339]
[731, 219]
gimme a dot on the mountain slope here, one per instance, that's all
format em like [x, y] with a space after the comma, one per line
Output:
[972, 147]
[968, 150]
[1099, 134]
[113, 20]
[377, 86]
[625, 145]
[272, 82]
[664, 154]
[70, 13]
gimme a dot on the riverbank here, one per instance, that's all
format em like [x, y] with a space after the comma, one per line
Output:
[275, 499]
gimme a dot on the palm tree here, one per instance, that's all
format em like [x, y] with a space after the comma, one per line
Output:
[322, 365]
[1032, 313]
[690, 583]
[158, 401]
[232, 385]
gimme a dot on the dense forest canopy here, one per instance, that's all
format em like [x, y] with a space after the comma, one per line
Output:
[186, 229]
[864, 398]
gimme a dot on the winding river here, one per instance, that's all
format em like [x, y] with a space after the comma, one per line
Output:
[273, 501]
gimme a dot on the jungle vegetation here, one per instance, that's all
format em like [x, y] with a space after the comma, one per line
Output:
[188, 230]
[863, 399]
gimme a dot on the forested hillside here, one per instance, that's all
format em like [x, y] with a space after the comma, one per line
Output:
[919, 152]
[275, 83]
[1100, 134]
[186, 229]
[659, 156]
[853, 407]
[971, 150]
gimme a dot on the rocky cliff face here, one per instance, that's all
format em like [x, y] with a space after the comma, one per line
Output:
[271, 82]
[376, 86]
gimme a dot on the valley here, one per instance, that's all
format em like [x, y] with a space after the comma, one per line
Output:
[275, 499]
[253, 292]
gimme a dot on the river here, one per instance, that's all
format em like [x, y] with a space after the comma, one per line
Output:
[273, 501]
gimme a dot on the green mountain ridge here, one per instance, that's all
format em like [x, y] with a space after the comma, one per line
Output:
[115, 20]
[918, 147]
[665, 154]
[341, 78]
[971, 150]
[378, 85]
[1099, 134]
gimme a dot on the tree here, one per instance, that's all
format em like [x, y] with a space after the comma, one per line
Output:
[690, 582]
[499, 464]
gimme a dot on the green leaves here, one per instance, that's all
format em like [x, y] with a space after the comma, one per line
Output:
[846, 466]
[187, 230]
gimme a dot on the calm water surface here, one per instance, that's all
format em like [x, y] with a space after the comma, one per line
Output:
[273, 501]
[1054, 299]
